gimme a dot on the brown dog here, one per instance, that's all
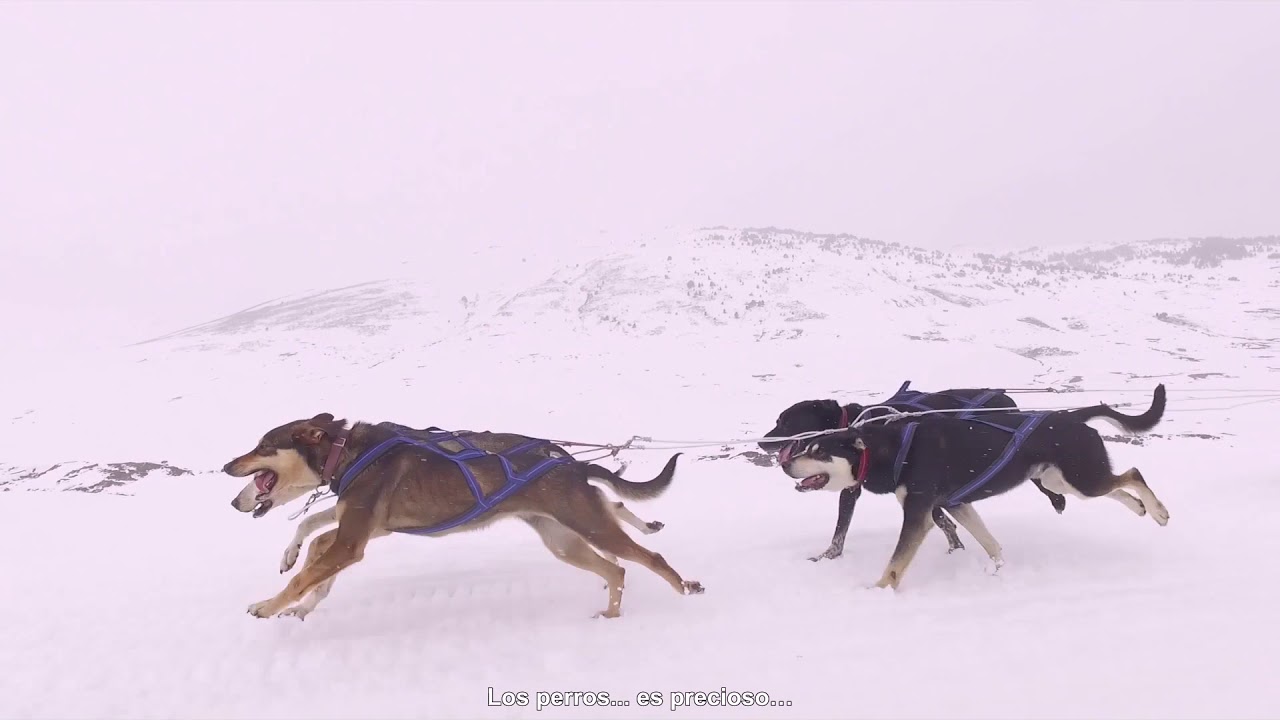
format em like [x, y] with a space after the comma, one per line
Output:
[409, 488]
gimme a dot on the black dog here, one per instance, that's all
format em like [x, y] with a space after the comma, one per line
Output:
[818, 415]
[952, 462]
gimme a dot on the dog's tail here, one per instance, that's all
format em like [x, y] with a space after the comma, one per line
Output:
[635, 490]
[1129, 423]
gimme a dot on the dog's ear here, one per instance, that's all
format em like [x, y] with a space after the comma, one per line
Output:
[309, 434]
[312, 431]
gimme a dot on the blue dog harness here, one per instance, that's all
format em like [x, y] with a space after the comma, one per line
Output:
[433, 442]
[915, 399]
[1027, 423]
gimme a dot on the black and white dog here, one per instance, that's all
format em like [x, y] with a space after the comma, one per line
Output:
[818, 415]
[947, 453]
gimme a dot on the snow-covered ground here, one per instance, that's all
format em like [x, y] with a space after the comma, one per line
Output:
[130, 601]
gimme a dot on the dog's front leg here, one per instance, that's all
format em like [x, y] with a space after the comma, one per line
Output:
[305, 528]
[321, 591]
[345, 547]
[917, 521]
[848, 500]
[304, 608]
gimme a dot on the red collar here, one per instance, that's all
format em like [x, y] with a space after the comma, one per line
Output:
[844, 417]
[335, 453]
[863, 463]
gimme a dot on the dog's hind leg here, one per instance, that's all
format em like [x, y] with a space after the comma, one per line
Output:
[569, 546]
[305, 528]
[1133, 479]
[1099, 482]
[916, 524]
[624, 514]
[972, 522]
[1128, 500]
[602, 531]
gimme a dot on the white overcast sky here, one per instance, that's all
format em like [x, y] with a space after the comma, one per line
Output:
[159, 156]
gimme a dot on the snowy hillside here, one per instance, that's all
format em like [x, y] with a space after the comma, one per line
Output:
[128, 598]
[667, 324]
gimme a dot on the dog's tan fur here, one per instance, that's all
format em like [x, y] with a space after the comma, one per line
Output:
[410, 488]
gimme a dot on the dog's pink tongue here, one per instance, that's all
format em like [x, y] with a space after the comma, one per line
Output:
[264, 481]
[784, 454]
[812, 482]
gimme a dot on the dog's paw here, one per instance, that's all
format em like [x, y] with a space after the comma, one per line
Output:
[1160, 514]
[299, 611]
[290, 557]
[262, 609]
[830, 553]
[606, 615]
[889, 581]
[653, 527]
[1135, 504]
[693, 587]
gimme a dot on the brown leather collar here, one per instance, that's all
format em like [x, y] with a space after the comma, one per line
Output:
[335, 454]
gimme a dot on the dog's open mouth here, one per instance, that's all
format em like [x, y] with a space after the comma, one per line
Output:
[265, 482]
[813, 482]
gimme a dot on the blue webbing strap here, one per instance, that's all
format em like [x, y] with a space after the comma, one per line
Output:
[907, 435]
[912, 398]
[1015, 442]
[980, 401]
[514, 480]
[363, 462]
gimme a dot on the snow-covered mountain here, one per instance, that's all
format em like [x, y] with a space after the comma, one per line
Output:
[767, 284]
[715, 313]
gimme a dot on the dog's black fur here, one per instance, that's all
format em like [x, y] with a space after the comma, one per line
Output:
[948, 452]
[817, 415]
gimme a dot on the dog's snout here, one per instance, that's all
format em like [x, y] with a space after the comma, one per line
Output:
[227, 468]
[772, 445]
